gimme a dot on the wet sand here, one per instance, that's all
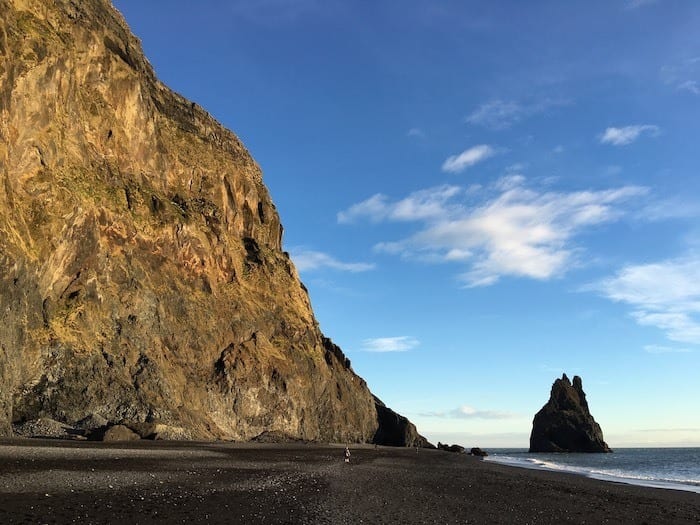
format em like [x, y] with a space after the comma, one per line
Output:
[173, 482]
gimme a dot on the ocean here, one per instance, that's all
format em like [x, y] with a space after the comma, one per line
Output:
[668, 468]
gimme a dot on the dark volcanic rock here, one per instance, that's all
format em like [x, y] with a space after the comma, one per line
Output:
[395, 430]
[565, 424]
[476, 451]
[143, 276]
[459, 449]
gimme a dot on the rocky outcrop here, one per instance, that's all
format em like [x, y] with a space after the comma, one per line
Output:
[458, 449]
[396, 430]
[120, 433]
[476, 451]
[565, 424]
[143, 277]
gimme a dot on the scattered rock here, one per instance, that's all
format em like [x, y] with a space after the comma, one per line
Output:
[46, 428]
[451, 448]
[119, 433]
[476, 451]
[274, 436]
[91, 422]
[565, 424]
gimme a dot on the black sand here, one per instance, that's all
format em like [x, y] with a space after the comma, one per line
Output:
[173, 482]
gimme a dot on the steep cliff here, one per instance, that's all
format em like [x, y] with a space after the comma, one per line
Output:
[396, 430]
[565, 423]
[142, 272]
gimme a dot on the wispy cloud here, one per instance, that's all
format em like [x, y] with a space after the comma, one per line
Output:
[504, 230]
[501, 114]
[419, 205]
[415, 132]
[468, 158]
[665, 295]
[627, 135]
[683, 75]
[309, 260]
[401, 343]
[661, 349]
[468, 412]
[690, 85]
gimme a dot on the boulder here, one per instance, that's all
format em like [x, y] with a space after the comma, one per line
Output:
[459, 449]
[476, 451]
[565, 424]
[120, 433]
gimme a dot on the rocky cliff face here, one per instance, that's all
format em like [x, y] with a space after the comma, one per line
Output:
[395, 430]
[565, 424]
[142, 272]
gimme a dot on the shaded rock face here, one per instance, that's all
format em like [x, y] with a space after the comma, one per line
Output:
[565, 424]
[142, 272]
[396, 430]
[459, 449]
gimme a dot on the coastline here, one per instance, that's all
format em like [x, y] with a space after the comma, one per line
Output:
[615, 473]
[164, 482]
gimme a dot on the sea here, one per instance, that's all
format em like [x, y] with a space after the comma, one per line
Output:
[667, 468]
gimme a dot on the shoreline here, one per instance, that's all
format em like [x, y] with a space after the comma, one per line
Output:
[551, 466]
[164, 482]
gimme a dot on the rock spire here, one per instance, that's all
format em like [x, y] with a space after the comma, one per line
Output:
[565, 423]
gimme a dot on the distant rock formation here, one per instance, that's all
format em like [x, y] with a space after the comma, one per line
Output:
[476, 451]
[459, 449]
[565, 424]
[396, 430]
[143, 277]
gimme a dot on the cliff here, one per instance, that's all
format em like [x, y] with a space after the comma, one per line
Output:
[396, 430]
[143, 277]
[565, 423]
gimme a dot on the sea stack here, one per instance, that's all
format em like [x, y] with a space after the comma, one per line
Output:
[565, 424]
[143, 277]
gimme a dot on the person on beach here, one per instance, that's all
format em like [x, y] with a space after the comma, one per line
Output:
[347, 454]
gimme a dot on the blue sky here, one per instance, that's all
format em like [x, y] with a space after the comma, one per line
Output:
[478, 195]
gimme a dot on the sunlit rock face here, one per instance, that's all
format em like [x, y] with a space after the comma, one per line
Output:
[142, 272]
[565, 424]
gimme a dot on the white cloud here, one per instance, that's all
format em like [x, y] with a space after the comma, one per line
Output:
[401, 343]
[501, 114]
[496, 114]
[508, 182]
[516, 231]
[419, 205]
[468, 158]
[683, 75]
[374, 208]
[665, 295]
[690, 85]
[627, 135]
[415, 132]
[308, 260]
[468, 412]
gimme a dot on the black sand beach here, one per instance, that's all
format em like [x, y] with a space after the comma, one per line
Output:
[174, 482]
